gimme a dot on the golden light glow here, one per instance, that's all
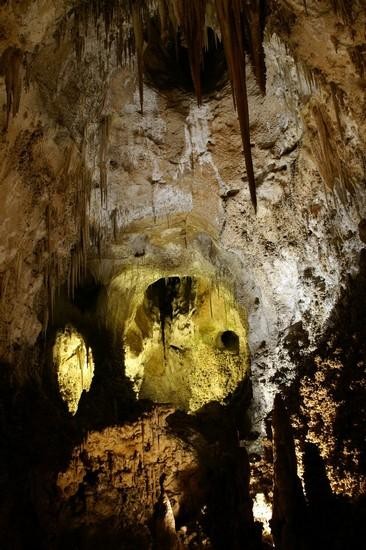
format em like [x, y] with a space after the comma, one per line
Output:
[75, 366]
[195, 355]
[262, 512]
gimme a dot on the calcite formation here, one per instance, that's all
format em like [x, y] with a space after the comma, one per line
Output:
[185, 343]
[182, 229]
[118, 475]
[74, 363]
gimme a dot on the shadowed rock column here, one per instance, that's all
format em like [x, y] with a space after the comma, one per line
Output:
[230, 514]
[289, 517]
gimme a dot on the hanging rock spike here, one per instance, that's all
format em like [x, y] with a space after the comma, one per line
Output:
[139, 45]
[241, 24]
[192, 20]
[254, 14]
[230, 16]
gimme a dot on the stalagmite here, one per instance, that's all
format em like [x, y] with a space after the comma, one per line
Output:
[289, 513]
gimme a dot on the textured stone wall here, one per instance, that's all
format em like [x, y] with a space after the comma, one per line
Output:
[87, 177]
[98, 202]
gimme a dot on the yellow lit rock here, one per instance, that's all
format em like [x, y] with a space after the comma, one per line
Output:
[262, 512]
[75, 366]
[184, 337]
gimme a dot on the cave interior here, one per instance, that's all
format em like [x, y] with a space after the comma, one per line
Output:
[183, 274]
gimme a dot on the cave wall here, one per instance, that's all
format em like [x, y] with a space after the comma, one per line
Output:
[159, 182]
[93, 189]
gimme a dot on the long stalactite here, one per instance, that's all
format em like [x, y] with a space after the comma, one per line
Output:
[192, 19]
[11, 64]
[240, 27]
[119, 27]
[230, 16]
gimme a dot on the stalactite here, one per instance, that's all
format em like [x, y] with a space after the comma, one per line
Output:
[77, 37]
[255, 19]
[192, 20]
[75, 175]
[60, 32]
[4, 284]
[11, 65]
[163, 16]
[103, 149]
[230, 15]
[328, 145]
[51, 265]
[336, 105]
[139, 45]
[241, 23]
[329, 157]
[343, 8]
[358, 57]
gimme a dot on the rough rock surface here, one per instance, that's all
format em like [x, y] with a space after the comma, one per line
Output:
[91, 188]
[117, 476]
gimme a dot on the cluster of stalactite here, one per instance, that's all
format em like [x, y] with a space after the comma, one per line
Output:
[103, 146]
[329, 142]
[240, 26]
[122, 24]
[340, 166]
[77, 177]
[329, 160]
[120, 27]
[343, 9]
[81, 177]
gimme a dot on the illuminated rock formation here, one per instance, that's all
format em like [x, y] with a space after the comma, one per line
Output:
[74, 363]
[182, 223]
[185, 343]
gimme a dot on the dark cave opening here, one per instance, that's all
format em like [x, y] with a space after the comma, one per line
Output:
[230, 341]
[110, 398]
[166, 62]
[170, 295]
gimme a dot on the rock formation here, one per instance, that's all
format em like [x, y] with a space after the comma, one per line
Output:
[182, 230]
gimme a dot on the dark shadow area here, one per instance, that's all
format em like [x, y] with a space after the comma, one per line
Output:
[39, 436]
[104, 536]
[215, 432]
[230, 341]
[334, 521]
[169, 296]
[319, 519]
[338, 368]
[111, 399]
[317, 489]
[166, 62]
